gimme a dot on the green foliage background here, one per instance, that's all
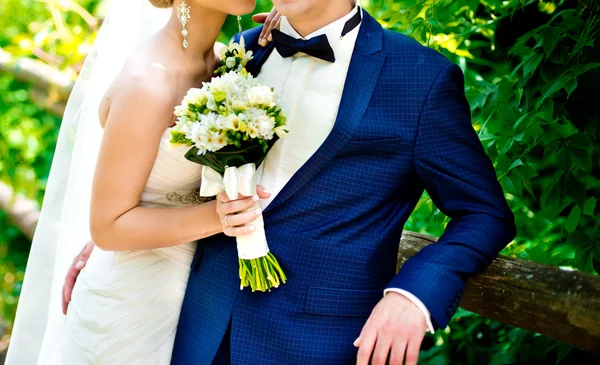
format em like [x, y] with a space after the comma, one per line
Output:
[531, 72]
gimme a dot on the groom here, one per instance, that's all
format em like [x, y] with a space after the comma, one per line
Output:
[374, 118]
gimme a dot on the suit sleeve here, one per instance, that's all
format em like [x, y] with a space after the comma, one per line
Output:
[454, 169]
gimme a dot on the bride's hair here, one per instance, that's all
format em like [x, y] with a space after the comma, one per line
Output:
[162, 3]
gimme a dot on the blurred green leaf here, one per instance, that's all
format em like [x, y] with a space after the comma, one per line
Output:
[573, 219]
[590, 205]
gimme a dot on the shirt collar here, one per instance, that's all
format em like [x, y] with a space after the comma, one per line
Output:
[333, 30]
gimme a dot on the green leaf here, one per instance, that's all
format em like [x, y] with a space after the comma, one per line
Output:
[556, 86]
[509, 186]
[582, 159]
[487, 137]
[573, 219]
[551, 36]
[515, 164]
[532, 64]
[527, 185]
[581, 141]
[570, 86]
[507, 146]
[519, 121]
[587, 67]
[589, 206]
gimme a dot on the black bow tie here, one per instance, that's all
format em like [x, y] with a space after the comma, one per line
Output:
[317, 47]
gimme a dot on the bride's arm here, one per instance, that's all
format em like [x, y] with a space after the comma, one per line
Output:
[139, 114]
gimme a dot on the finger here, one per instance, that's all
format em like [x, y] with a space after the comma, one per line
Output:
[65, 304]
[260, 191]
[223, 198]
[236, 206]
[398, 350]
[413, 348]
[262, 38]
[277, 21]
[87, 251]
[260, 17]
[241, 219]
[382, 348]
[70, 283]
[275, 25]
[266, 31]
[365, 350]
[239, 231]
[80, 265]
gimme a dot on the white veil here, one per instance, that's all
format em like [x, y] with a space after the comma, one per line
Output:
[63, 228]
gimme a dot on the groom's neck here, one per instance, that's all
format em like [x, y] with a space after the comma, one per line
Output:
[317, 15]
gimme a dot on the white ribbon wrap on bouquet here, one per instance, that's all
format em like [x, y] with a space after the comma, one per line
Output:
[238, 180]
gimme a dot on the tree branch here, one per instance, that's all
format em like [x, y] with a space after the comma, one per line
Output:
[24, 212]
[51, 87]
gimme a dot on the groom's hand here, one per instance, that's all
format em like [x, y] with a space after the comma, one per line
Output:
[394, 331]
[78, 264]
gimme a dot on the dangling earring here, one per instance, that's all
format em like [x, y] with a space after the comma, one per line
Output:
[183, 12]
[239, 23]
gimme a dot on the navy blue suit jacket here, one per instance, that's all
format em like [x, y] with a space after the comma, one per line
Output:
[403, 126]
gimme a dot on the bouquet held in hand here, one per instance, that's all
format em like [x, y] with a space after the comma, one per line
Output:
[231, 123]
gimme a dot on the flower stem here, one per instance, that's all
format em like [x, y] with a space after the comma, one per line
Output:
[261, 274]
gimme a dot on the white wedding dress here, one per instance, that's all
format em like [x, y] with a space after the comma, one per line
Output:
[125, 305]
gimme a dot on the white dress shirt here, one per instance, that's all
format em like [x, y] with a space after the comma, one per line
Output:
[310, 91]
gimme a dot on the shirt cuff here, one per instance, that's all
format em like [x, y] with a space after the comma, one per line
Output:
[416, 302]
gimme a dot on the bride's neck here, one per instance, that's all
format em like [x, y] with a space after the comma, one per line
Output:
[204, 26]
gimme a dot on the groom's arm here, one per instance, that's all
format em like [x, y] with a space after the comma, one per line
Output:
[460, 178]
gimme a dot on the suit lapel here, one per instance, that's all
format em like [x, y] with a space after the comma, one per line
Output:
[260, 56]
[365, 66]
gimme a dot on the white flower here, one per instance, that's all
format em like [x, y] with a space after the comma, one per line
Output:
[233, 122]
[230, 62]
[281, 131]
[265, 126]
[252, 130]
[221, 122]
[196, 96]
[239, 50]
[210, 102]
[261, 96]
[223, 51]
[182, 110]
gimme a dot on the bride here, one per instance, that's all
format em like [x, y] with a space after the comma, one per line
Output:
[145, 213]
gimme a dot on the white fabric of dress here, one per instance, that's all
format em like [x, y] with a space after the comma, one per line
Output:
[125, 305]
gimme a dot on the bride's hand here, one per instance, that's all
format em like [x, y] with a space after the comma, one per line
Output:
[237, 215]
[271, 21]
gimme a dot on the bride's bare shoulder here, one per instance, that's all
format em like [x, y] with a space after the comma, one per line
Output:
[148, 80]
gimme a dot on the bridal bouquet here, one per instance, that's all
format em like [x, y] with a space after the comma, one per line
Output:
[231, 123]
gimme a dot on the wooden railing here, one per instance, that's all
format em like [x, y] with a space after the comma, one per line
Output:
[561, 304]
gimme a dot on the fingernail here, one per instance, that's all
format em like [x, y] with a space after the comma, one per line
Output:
[270, 38]
[255, 198]
[263, 42]
[258, 211]
[252, 228]
[355, 343]
[79, 265]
